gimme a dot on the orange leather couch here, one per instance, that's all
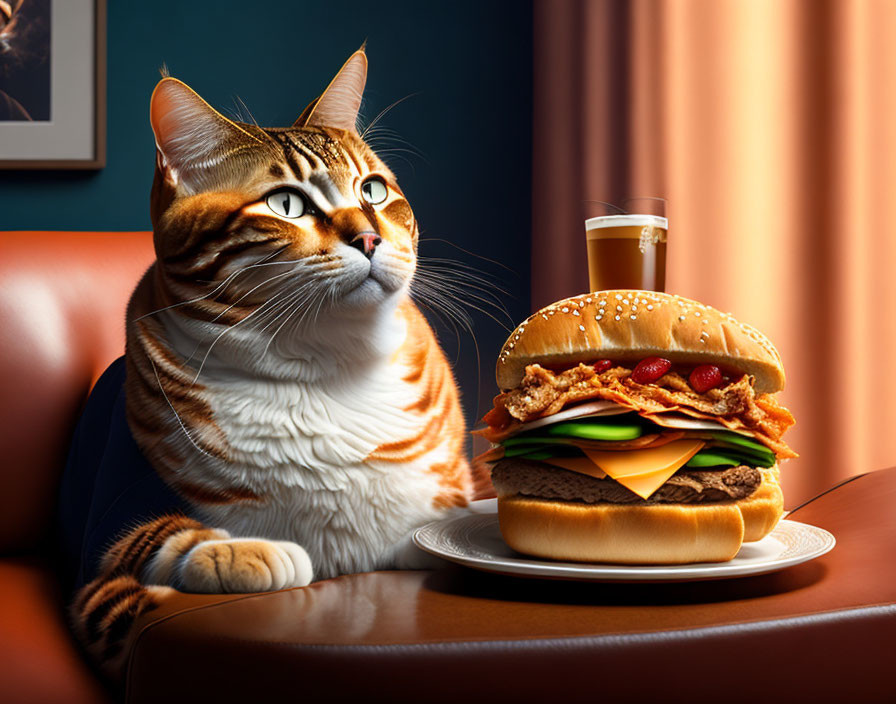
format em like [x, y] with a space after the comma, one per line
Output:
[62, 297]
[821, 631]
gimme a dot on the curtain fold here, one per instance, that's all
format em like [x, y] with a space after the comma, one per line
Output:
[770, 128]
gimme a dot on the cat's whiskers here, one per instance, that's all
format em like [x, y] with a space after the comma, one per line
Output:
[447, 320]
[251, 291]
[320, 304]
[448, 287]
[448, 306]
[233, 327]
[305, 304]
[385, 155]
[224, 332]
[319, 269]
[382, 113]
[273, 314]
[384, 141]
[463, 291]
[467, 284]
[465, 297]
[220, 287]
[239, 106]
[463, 280]
[267, 281]
[464, 269]
[401, 150]
[458, 267]
[281, 302]
[283, 307]
[383, 135]
[277, 303]
[467, 252]
[290, 311]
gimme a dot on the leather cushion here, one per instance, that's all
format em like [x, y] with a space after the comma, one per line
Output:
[38, 660]
[62, 302]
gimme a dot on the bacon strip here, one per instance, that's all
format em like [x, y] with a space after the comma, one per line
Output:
[735, 406]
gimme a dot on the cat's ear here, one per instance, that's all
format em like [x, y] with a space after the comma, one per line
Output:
[192, 138]
[338, 105]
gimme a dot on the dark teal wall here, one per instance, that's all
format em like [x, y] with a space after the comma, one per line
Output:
[465, 64]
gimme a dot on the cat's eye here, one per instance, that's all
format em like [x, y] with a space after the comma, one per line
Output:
[287, 203]
[374, 190]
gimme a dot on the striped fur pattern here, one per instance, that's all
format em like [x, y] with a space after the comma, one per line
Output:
[278, 375]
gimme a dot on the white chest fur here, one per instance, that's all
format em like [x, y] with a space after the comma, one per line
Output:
[302, 447]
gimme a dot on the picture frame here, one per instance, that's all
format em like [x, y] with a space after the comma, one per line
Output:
[60, 77]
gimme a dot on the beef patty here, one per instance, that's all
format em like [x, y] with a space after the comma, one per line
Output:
[540, 480]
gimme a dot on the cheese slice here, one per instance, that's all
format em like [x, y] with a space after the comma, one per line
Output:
[645, 471]
[582, 465]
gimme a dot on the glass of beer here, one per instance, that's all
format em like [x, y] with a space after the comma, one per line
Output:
[627, 251]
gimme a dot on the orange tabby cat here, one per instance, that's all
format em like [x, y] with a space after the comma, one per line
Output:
[279, 378]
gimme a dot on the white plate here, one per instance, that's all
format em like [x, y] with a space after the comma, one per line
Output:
[475, 541]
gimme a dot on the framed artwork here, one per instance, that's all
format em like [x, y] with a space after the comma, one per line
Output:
[52, 84]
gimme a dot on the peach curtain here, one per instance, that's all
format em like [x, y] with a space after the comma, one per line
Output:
[770, 128]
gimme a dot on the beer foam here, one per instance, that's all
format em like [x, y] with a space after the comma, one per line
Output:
[626, 221]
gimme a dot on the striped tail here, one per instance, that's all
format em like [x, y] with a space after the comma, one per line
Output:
[104, 610]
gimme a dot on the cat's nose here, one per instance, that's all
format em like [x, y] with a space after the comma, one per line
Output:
[366, 243]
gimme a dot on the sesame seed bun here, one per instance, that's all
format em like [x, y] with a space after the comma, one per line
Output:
[630, 325]
[645, 534]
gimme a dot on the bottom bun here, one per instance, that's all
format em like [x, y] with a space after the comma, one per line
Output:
[652, 534]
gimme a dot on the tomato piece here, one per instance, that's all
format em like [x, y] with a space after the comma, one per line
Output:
[705, 377]
[602, 365]
[650, 369]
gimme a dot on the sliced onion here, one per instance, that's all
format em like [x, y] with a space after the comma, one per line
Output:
[593, 409]
[681, 423]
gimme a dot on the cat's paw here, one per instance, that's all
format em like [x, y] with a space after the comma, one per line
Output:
[240, 565]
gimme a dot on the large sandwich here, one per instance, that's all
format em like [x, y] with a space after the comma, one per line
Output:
[636, 427]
